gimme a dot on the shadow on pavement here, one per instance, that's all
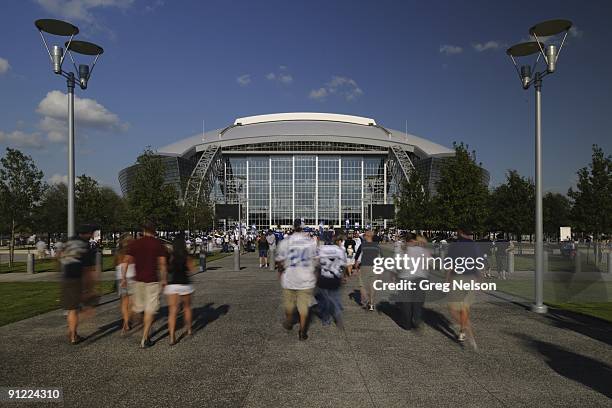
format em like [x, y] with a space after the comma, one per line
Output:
[355, 296]
[585, 370]
[591, 327]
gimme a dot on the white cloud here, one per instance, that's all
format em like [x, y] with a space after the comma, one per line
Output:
[489, 45]
[155, 5]
[18, 138]
[318, 94]
[80, 9]
[244, 80]
[58, 179]
[88, 114]
[281, 76]
[448, 49]
[575, 32]
[344, 87]
[4, 66]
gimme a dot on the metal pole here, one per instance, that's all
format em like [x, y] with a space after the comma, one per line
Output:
[539, 306]
[71, 178]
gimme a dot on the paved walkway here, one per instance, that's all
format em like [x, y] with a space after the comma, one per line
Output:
[240, 356]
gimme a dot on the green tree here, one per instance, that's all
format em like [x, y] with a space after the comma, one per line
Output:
[52, 213]
[556, 209]
[88, 201]
[150, 198]
[592, 200]
[113, 210]
[513, 205]
[413, 203]
[21, 189]
[98, 204]
[461, 197]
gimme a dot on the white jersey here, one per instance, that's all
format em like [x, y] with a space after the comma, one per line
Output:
[332, 259]
[298, 253]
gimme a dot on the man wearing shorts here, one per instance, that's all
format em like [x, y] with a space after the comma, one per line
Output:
[460, 300]
[148, 254]
[296, 261]
[367, 252]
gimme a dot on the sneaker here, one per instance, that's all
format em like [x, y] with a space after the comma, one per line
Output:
[302, 336]
[461, 337]
[146, 343]
[371, 307]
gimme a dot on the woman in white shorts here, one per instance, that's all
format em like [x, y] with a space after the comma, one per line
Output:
[179, 289]
[124, 292]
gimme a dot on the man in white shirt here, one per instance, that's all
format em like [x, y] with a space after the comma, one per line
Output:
[296, 261]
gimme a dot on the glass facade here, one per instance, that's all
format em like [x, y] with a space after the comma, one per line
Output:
[320, 188]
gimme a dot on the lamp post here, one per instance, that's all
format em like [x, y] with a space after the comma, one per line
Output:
[550, 55]
[82, 73]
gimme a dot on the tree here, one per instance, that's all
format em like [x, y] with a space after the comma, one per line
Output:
[52, 213]
[150, 198]
[556, 209]
[513, 205]
[413, 203]
[461, 197]
[21, 188]
[592, 200]
[88, 201]
[113, 210]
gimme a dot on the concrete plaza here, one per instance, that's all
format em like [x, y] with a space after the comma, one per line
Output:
[240, 355]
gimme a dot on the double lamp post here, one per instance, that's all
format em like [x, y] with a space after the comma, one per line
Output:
[81, 74]
[547, 51]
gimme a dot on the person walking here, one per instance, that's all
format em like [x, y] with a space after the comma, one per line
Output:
[461, 300]
[179, 288]
[332, 265]
[263, 247]
[148, 254]
[411, 302]
[367, 252]
[77, 261]
[296, 261]
[124, 292]
[349, 246]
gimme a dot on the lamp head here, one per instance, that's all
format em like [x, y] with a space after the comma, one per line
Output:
[57, 56]
[525, 76]
[83, 75]
[550, 31]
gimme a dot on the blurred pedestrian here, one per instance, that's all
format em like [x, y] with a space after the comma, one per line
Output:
[349, 246]
[179, 288]
[148, 254]
[367, 252]
[125, 292]
[461, 300]
[78, 284]
[332, 267]
[263, 247]
[411, 302]
[295, 260]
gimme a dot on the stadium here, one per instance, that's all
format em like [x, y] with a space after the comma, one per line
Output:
[325, 168]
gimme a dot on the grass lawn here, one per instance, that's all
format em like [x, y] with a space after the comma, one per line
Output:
[108, 263]
[50, 265]
[20, 300]
[586, 297]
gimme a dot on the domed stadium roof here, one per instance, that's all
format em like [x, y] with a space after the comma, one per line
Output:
[306, 126]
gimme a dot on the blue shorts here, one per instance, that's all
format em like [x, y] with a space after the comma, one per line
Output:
[263, 253]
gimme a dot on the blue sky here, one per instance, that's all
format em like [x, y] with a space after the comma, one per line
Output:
[438, 66]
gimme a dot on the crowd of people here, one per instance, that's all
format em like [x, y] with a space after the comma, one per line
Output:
[312, 267]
